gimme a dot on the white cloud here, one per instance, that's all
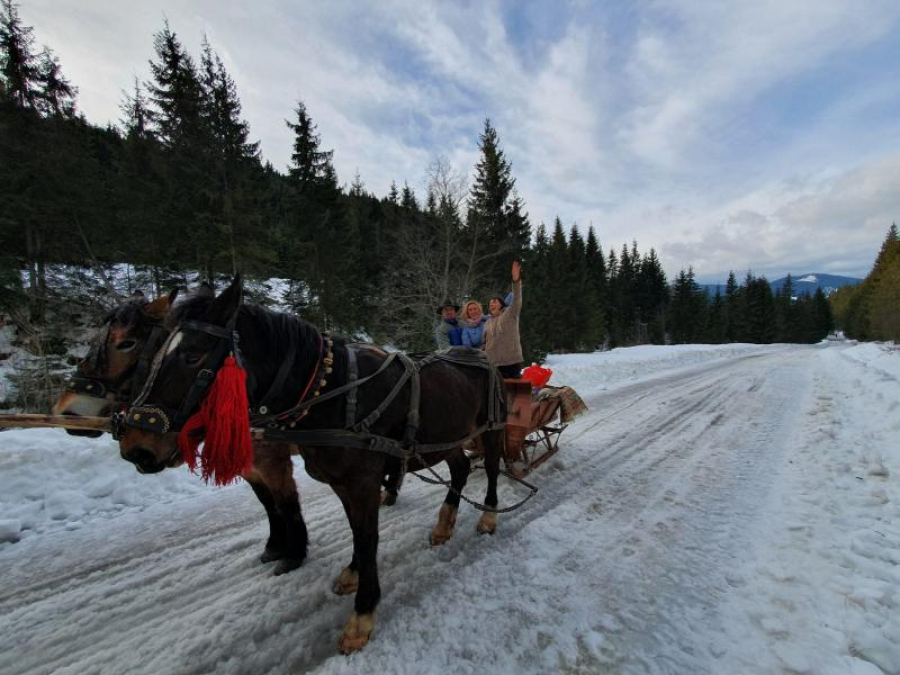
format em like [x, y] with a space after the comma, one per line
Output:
[642, 122]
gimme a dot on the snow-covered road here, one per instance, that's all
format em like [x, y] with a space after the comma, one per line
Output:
[731, 509]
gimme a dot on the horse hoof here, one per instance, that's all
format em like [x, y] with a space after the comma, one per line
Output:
[347, 582]
[388, 498]
[271, 554]
[356, 632]
[439, 539]
[487, 523]
[286, 565]
[444, 529]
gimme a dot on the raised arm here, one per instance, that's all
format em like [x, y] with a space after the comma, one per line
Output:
[516, 306]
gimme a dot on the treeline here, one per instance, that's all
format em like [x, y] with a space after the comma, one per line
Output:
[180, 192]
[871, 310]
[747, 312]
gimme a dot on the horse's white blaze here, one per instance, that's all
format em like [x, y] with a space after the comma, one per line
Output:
[174, 342]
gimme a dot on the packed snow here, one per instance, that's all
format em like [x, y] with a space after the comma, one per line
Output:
[719, 509]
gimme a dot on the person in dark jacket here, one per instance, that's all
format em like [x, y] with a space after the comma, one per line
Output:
[449, 331]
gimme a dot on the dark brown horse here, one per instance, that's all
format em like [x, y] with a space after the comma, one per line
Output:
[106, 381]
[456, 402]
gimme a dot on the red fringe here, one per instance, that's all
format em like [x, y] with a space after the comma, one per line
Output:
[223, 425]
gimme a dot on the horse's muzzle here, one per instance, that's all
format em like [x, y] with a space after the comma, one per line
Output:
[88, 433]
[143, 460]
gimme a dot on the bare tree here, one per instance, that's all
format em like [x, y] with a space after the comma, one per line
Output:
[429, 266]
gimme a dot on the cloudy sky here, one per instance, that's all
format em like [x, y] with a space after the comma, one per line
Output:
[759, 135]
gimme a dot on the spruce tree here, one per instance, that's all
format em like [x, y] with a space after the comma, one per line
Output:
[19, 67]
[653, 297]
[733, 310]
[495, 215]
[57, 95]
[597, 288]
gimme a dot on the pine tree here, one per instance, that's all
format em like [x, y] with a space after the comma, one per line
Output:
[786, 316]
[539, 320]
[733, 310]
[653, 297]
[175, 94]
[760, 310]
[560, 287]
[320, 229]
[495, 217]
[231, 164]
[19, 68]
[135, 120]
[597, 288]
[687, 310]
[581, 296]
[310, 165]
[394, 194]
[715, 322]
[57, 95]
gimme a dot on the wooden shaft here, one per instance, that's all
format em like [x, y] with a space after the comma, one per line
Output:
[61, 421]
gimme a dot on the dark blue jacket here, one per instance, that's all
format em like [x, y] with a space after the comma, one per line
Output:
[448, 334]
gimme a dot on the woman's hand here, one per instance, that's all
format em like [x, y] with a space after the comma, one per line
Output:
[516, 271]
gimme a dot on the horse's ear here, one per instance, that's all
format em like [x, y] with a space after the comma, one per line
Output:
[226, 305]
[161, 306]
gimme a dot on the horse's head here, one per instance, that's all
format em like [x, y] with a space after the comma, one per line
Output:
[200, 338]
[128, 338]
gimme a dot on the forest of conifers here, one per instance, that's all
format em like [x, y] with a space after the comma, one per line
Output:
[178, 192]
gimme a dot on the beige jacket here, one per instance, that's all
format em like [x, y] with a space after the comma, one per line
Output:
[501, 333]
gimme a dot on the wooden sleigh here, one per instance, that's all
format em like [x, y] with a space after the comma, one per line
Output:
[533, 426]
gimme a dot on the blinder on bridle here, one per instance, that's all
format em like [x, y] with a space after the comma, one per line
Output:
[160, 419]
[97, 357]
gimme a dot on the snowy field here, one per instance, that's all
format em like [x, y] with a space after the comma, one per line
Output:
[728, 509]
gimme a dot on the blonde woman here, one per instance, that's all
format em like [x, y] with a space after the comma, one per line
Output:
[473, 319]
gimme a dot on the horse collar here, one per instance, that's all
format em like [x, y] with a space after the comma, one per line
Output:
[318, 376]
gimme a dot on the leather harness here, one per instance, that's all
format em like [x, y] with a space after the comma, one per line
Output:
[282, 426]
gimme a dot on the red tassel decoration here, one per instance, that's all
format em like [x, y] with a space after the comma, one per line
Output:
[223, 425]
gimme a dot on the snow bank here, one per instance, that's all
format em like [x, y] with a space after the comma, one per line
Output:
[52, 481]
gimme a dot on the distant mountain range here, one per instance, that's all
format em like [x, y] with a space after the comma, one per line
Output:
[806, 283]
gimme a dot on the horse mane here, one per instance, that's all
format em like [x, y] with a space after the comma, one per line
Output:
[287, 330]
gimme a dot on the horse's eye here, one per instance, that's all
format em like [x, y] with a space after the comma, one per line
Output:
[191, 359]
[126, 345]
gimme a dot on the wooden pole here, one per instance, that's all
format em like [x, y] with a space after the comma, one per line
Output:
[55, 421]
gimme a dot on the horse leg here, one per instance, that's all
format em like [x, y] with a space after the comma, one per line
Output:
[276, 489]
[459, 474]
[361, 501]
[493, 449]
[392, 482]
[274, 544]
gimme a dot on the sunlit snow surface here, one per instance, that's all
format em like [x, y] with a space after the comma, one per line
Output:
[729, 509]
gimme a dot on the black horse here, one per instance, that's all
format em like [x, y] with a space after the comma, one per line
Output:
[107, 380]
[391, 411]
